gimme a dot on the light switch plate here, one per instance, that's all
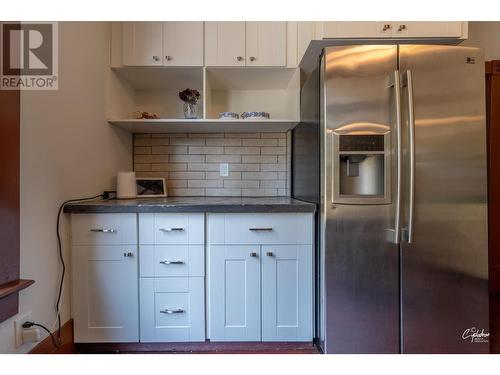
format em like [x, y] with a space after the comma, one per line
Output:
[224, 169]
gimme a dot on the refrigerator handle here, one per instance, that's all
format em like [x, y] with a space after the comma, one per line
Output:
[395, 82]
[408, 83]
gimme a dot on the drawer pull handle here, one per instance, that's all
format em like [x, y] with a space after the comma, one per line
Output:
[168, 262]
[171, 229]
[103, 230]
[260, 229]
[176, 311]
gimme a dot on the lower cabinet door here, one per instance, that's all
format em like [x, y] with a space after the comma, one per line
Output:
[234, 313]
[172, 309]
[105, 296]
[287, 293]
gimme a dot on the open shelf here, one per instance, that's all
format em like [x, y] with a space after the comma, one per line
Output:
[155, 90]
[203, 125]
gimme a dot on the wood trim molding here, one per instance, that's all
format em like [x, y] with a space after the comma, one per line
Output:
[67, 346]
[14, 287]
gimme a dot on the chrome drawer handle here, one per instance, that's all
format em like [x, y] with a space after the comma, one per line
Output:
[176, 311]
[103, 230]
[260, 229]
[171, 229]
[168, 262]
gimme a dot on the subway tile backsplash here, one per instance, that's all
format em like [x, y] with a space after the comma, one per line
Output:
[259, 163]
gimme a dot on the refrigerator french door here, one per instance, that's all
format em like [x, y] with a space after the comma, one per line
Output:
[403, 238]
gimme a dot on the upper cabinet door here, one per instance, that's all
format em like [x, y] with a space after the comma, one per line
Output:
[357, 29]
[266, 43]
[183, 43]
[142, 43]
[429, 29]
[225, 43]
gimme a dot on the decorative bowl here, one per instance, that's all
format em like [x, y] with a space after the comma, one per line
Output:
[255, 115]
[228, 116]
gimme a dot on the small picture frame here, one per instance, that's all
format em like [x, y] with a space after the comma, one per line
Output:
[150, 187]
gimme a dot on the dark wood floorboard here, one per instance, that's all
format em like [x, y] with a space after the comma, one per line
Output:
[68, 347]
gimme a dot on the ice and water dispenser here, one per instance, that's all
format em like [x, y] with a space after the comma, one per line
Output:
[361, 168]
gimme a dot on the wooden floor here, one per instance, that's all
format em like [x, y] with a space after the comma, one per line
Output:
[68, 347]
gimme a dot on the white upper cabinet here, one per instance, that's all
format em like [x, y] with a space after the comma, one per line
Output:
[162, 43]
[400, 29]
[266, 43]
[183, 43]
[225, 43]
[430, 29]
[246, 44]
[142, 43]
[357, 29]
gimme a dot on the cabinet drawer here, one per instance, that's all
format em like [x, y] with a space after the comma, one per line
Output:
[275, 228]
[172, 309]
[172, 260]
[171, 229]
[104, 229]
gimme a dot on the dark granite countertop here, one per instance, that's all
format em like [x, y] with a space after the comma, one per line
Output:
[192, 204]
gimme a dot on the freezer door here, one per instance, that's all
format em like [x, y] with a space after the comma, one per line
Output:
[360, 278]
[444, 269]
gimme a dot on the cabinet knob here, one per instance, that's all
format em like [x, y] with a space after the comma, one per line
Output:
[239, 58]
[156, 58]
[253, 58]
[401, 27]
[270, 254]
[169, 58]
[128, 254]
[253, 255]
[386, 27]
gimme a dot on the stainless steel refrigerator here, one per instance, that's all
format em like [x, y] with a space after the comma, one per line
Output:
[395, 136]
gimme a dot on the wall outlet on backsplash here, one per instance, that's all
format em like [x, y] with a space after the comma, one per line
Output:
[224, 169]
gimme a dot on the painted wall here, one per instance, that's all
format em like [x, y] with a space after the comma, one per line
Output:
[485, 35]
[67, 150]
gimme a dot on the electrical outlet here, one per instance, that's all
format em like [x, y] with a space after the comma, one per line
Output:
[18, 328]
[224, 169]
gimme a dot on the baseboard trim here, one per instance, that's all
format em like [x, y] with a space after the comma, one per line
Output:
[47, 347]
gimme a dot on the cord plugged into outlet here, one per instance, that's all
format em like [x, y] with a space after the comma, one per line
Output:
[30, 334]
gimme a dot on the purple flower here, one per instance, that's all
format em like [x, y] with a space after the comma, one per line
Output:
[189, 95]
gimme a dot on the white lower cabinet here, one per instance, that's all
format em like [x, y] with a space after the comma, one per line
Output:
[151, 288]
[235, 293]
[105, 298]
[260, 292]
[105, 292]
[287, 301]
[172, 309]
[172, 277]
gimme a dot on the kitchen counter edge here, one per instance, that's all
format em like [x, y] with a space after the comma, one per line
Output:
[117, 206]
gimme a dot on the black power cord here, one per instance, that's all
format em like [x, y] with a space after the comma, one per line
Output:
[61, 258]
[31, 324]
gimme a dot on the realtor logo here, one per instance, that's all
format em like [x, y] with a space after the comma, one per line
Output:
[29, 58]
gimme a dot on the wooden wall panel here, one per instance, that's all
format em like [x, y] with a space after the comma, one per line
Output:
[493, 121]
[9, 196]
